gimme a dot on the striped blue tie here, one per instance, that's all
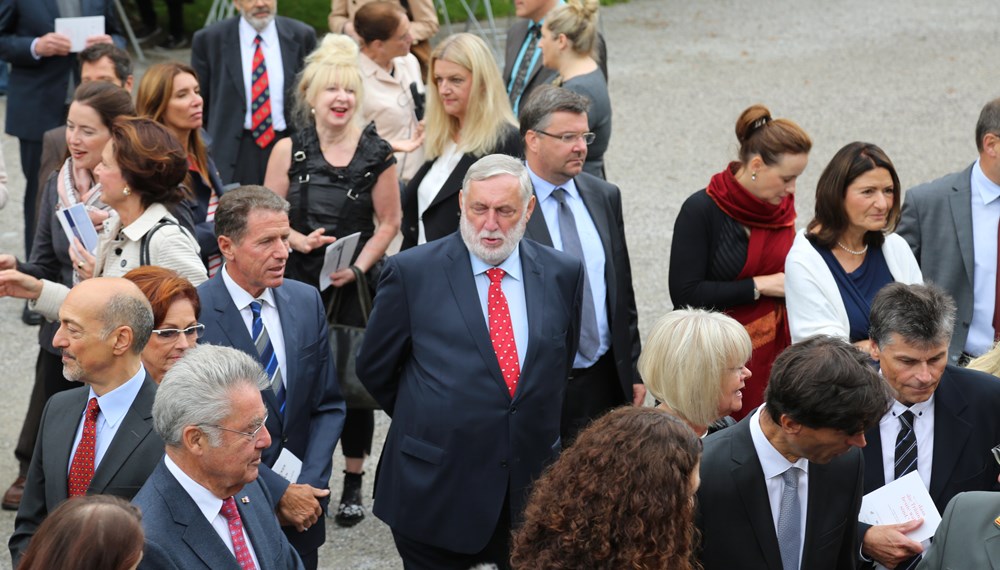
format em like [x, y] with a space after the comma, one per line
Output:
[268, 359]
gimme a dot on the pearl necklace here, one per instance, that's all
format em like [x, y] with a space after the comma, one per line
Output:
[851, 251]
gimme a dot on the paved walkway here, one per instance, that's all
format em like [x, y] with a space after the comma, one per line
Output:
[909, 75]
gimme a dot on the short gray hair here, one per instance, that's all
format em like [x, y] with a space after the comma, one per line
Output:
[545, 100]
[129, 311]
[197, 390]
[923, 315]
[493, 165]
[236, 205]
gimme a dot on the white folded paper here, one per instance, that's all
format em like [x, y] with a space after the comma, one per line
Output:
[338, 256]
[902, 500]
[77, 224]
[79, 29]
[288, 466]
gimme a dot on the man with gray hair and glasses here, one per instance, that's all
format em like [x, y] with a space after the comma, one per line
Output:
[203, 507]
[98, 438]
[943, 421]
[468, 348]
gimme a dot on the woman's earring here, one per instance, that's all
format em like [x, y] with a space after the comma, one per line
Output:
[126, 191]
[753, 176]
[313, 110]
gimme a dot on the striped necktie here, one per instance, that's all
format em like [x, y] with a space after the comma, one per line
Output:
[906, 446]
[268, 358]
[260, 102]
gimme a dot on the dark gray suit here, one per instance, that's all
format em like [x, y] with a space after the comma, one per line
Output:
[969, 536]
[178, 536]
[936, 220]
[127, 463]
[215, 55]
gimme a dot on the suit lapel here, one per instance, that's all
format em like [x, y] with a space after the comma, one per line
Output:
[874, 476]
[951, 431]
[255, 531]
[598, 208]
[136, 425]
[63, 431]
[288, 55]
[292, 335]
[820, 479]
[195, 530]
[463, 287]
[454, 182]
[748, 476]
[961, 213]
[234, 62]
[533, 274]
[992, 546]
[537, 229]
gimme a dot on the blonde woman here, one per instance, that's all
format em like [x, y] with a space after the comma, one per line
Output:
[569, 46]
[694, 363]
[468, 117]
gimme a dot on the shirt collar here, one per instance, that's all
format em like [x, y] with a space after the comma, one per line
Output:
[239, 295]
[145, 222]
[268, 36]
[116, 403]
[207, 502]
[511, 265]
[987, 189]
[772, 462]
[898, 408]
[544, 188]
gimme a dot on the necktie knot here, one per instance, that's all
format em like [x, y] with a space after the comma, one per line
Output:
[560, 195]
[535, 29]
[495, 274]
[257, 39]
[906, 418]
[229, 511]
[255, 307]
[93, 409]
[791, 477]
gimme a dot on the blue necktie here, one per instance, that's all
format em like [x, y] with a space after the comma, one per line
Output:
[790, 520]
[590, 337]
[268, 359]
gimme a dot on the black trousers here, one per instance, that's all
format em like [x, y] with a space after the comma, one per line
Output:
[31, 162]
[359, 429]
[589, 394]
[251, 160]
[49, 380]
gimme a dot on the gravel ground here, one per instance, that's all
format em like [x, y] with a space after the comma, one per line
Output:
[904, 74]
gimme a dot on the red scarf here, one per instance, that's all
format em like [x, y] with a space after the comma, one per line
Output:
[772, 230]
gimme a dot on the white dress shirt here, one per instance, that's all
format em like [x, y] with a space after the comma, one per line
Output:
[513, 289]
[985, 216]
[268, 314]
[923, 428]
[113, 405]
[593, 251]
[210, 507]
[275, 72]
[773, 464]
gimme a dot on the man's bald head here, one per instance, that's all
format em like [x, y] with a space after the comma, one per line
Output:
[114, 303]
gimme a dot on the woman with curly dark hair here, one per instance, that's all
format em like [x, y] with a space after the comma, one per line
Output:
[592, 510]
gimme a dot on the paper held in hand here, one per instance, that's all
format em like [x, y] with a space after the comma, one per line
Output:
[899, 501]
[338, 256]
[75, 221]
[79, 29]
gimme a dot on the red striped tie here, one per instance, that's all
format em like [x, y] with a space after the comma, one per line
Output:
[260, 104]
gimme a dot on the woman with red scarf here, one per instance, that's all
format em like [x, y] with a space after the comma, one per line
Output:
[731, 238]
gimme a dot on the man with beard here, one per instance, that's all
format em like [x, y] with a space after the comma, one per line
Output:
[249, 63]
[468, 349]
[98, 438]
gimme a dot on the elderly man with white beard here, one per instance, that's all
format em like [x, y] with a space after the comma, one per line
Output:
[468, 348]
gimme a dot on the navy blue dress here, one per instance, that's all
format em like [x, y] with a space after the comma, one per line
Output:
[858, 288]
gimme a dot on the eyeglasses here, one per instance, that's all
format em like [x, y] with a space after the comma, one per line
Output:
[193, 331]
[996, 453]
[250, 434]
[570, 138]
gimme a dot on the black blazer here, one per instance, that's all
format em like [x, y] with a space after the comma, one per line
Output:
[734, 514]
[604, 202]
[215, 55]
[441, 217]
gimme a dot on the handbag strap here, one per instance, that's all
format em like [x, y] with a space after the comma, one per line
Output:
[364, 297]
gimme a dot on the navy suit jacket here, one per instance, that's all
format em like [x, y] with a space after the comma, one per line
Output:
[36, 95]
[215, 55]
[458, 441]
[129, 460]
[314, 408]
[179, 537]
[604, 202]
[734, 514]
[966, 427]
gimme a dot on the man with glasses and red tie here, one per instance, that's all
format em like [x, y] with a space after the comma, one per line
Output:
[468, 348]
[203, 506]
[96, 439]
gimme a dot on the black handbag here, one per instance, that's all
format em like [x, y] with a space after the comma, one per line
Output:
[345, 340]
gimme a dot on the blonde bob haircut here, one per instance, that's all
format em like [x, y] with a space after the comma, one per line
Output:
[686, 357]
[577, 20]
[488, 110]
[334, 62]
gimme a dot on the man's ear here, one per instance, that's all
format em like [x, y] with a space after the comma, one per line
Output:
[195, 441]
[226, 247]
[790, 426]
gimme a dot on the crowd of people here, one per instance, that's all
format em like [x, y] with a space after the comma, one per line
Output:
[487, 308]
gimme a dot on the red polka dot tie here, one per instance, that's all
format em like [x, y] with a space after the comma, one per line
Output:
[501, 330]
[81, 471]
[232, 515]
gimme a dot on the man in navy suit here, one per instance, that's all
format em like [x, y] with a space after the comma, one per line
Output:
[468, 348]
[42, 77]
[203, 507]
[948, 414]
[782, 488]
[248, 300]
[582, 215]
[222, 54]
[102, 431]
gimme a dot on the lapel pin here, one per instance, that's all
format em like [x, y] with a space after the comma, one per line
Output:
[996, 522]
[245, 500]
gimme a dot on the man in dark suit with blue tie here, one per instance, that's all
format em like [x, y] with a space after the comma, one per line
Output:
[582, 215]
[943, 421]
[468, 348]
[203, 507]
[249, 305]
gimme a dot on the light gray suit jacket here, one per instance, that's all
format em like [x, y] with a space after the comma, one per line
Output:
[936, 220]
[969, 535]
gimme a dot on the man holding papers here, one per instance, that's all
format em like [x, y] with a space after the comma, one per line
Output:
[249, 305]
[943, 422]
